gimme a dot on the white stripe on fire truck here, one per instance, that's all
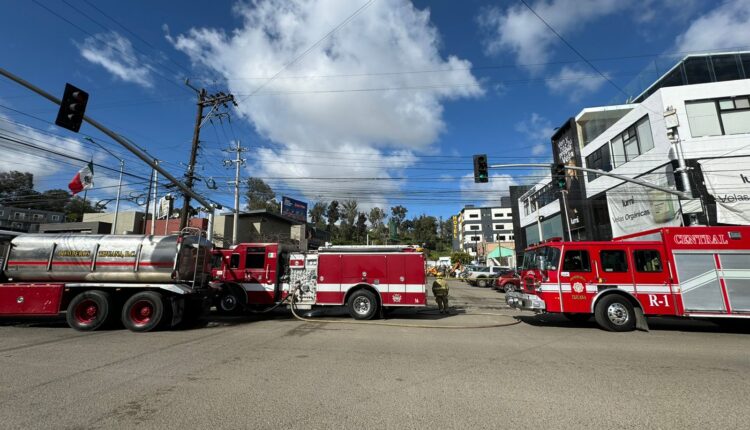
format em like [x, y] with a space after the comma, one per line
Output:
[408, 288]
[254, 286]
[736, 273]
[698, 281]
[653, 288]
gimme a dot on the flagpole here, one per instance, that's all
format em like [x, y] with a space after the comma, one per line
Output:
[83, 207]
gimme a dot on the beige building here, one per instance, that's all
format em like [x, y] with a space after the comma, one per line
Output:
[130, 222]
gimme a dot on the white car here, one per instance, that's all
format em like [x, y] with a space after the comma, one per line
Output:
[485, 276]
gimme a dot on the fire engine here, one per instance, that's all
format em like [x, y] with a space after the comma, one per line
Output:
[696, 272]
[365, 279]
[145, 281]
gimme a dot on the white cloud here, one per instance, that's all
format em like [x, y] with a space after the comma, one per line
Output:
[723, 28]
[349, 125]
[538, 130]
[576, 83]
[518, 30]
[489, 193]
[115, 53]
[52, 171]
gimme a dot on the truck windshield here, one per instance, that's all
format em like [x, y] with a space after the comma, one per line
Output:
[544, 258]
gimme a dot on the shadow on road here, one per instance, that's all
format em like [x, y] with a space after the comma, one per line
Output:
[654, 323]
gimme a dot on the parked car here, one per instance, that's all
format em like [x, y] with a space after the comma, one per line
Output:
[485, 276]
[508, 282]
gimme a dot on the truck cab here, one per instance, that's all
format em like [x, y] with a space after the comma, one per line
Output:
[250, 273]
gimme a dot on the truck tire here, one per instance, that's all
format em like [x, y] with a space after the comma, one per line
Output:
[89, 310]
[615, 313]
[362, 305]
[509, 287]
[230, 301]
[482, 282]
[143, 311]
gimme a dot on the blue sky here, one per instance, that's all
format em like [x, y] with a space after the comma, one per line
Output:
[388, 108]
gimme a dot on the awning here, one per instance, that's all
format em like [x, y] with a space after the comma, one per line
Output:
[500, 252]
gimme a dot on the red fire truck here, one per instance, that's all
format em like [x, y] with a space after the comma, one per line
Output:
[365, 279]
[697, 272]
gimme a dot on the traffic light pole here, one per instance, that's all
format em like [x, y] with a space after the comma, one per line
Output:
[114, 136]
[567, 214]
[680, 194]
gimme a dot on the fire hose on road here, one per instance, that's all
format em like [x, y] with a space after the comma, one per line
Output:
[390, 324]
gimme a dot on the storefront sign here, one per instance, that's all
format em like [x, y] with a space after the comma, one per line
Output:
[730, 187]
[634, 208]
[294, 209]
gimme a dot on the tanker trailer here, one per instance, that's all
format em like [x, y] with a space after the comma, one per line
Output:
[144, 281]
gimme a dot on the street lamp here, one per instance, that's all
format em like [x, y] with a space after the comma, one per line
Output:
[119, 184]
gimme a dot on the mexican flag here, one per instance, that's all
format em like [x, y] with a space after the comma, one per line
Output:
[83, 180]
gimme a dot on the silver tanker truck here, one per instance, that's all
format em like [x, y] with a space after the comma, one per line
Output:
[145, 282]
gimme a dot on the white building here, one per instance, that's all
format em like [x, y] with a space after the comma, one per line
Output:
[700, 107]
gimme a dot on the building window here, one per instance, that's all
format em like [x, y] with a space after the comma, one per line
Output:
[634, 141]
[510, 237]
[499, 226]
[473, 227]
[719, 117]
[696, 70]
[526, 207]
[37, 217]
[473, 215]
[2, 213]
[475, 238]
[501, 237]
[726, 67]
[19, 215]
[55, 217]
[17, 225]
[599, 159]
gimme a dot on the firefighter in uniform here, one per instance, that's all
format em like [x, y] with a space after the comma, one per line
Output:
[440, 291]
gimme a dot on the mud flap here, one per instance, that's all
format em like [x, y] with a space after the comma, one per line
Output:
[177, 306]
[640, 320]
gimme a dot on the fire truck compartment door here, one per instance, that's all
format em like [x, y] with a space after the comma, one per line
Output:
[396, 274]
[736, 271]
[699, 282]
[30, 299]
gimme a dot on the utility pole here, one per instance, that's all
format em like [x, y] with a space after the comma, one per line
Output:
[238, 162]
[204, 100]
[156, 194]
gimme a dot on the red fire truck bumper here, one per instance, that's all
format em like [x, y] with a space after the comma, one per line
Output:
[525, 302]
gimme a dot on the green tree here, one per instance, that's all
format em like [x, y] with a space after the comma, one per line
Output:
[317, 214]
[261, 196]
[76, 207]
[53, 200]
[332, 215]
[350, 209]
[361, 228]
[425, 231]
[462, 257]
[398, 214]
[17, 188]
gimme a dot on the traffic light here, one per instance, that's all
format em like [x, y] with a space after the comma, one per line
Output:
[72, 107]
[480, 168]
[558, 176]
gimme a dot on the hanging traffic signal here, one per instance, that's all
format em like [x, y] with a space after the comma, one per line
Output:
[558, 176]
[480, 168]
[72, 108]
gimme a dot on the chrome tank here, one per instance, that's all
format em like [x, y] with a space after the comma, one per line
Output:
[107, 258]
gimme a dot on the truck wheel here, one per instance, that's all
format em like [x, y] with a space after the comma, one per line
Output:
[143, 311]
[577, 318]
[615, 313]
[89, 310]
[482, 283]
[509, 287]
[363, 305]
[230, 301]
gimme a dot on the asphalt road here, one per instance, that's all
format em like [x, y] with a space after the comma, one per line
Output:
[283, 373]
